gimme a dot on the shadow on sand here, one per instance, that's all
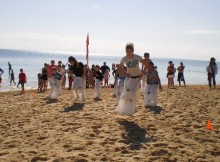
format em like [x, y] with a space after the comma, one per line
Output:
[97, 99]
[155, 110]
[135, 134]
[51, 101]
[74, 107]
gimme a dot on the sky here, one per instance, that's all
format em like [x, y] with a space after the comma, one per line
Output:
[186, 29]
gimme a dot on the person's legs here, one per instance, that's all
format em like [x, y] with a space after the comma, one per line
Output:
[210, 82]
[146, 95]
[75, 88]
[18, 83]
[173, 83]
[22, 88]
[214, 82]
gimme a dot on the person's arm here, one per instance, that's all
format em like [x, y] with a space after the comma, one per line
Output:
[108, 68]
[121, 70]
[2, 71]
[207, 69]
[159, 82]
[145, 67]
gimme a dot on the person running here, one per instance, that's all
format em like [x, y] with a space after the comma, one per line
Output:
[79, 83]
[23, 79]
[98, 78]
[171, 70]
[12, 77]
[212, 70]
[127, 101]
[153, 81]
[55, 84]
[1, 72]
[180, 76]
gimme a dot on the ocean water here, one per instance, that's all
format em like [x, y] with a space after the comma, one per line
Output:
[32, 63]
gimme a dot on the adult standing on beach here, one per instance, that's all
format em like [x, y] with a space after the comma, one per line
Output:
[180, 76]
[9, 68]
[104, 67]
[44, 78]
[212, 70]
[143, 82]
[126, 104]
[12, 79]
[171, 70]
[79, 83]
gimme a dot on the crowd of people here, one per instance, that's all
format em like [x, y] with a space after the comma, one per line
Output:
[128, 77]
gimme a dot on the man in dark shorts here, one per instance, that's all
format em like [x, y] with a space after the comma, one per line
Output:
[180, 74]
[23, 80]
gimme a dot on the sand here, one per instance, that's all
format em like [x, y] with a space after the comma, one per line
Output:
[35, 129]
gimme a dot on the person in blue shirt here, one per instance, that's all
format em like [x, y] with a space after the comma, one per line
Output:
[56, 75]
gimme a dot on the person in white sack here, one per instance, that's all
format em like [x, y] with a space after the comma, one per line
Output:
[153, 81]
[127, 101]
[79, 84]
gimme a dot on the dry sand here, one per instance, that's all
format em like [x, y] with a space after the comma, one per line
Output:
[35, 129]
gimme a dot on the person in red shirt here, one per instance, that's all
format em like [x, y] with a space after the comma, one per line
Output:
[22, 79]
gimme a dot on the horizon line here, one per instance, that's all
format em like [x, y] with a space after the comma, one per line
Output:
[93, 54]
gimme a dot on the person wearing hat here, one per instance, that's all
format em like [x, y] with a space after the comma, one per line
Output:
[180, 74]
[212, 70]
[171, 70]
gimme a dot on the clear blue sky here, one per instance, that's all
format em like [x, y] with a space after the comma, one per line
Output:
[164, 28]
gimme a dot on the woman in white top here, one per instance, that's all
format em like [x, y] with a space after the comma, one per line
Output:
[212, 70]
[126, 103]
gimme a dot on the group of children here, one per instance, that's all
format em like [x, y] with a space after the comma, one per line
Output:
[128, 77]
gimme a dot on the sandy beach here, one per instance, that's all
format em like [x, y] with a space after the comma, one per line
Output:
[35, 129]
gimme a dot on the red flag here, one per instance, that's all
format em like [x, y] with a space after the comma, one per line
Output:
[87, 49]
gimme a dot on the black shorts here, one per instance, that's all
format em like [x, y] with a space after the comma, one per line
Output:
[180, 77]
[44, 77]
[22, 84]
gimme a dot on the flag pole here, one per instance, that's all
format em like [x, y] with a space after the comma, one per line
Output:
[87, 49]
